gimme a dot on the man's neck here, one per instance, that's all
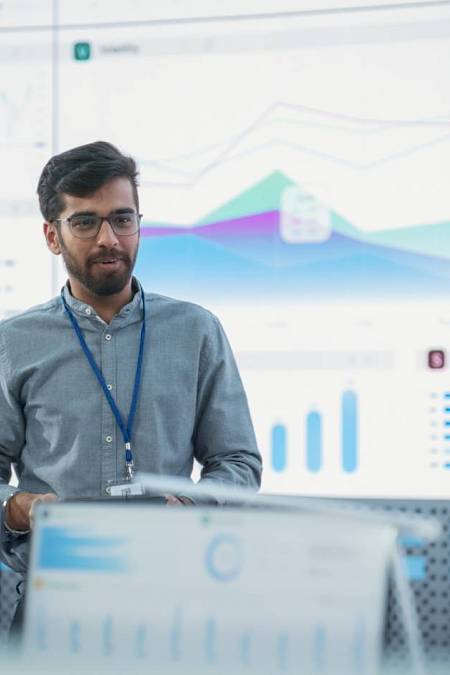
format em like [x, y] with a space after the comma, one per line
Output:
[106, 306]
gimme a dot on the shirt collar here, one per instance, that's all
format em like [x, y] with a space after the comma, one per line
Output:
[131, 309]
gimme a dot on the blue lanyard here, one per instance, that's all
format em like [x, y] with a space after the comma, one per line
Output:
[125, 429]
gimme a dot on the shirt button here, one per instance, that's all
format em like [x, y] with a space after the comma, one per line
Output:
[88, 311]
[108, 439]
[109, 386]
[108, 336]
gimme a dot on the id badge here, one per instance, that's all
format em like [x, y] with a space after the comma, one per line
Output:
[125, 490]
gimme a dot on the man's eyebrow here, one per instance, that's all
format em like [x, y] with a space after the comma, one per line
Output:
[126, 209]
[82, 213]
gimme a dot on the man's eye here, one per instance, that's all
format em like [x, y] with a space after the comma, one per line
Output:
[124, 219]
[84, 223]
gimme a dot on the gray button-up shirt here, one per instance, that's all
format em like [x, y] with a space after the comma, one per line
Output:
[58, 430]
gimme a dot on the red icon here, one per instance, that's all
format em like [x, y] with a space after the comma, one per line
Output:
[436, 359]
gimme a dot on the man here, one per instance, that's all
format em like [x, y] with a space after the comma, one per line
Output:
[104, 380]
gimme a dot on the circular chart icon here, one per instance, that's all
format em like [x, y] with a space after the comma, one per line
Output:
[224, 557]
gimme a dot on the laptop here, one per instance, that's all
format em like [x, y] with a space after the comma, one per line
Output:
[146, 588]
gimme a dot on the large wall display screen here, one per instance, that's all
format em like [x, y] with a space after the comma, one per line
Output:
[294, 180]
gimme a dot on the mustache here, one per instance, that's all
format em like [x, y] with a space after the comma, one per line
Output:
[113, 255]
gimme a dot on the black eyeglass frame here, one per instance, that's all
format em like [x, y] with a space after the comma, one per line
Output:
[108, 218]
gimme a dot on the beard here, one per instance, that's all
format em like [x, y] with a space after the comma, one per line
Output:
[103, 284]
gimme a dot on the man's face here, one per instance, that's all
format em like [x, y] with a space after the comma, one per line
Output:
[103, 264]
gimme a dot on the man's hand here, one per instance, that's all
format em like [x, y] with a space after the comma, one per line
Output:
[19, 509]
[178, 501]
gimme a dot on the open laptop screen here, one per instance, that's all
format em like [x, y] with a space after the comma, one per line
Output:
[206, 589]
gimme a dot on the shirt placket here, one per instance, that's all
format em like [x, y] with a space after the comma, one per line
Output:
[110, 430]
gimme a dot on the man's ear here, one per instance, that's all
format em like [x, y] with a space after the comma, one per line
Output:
[52, 238]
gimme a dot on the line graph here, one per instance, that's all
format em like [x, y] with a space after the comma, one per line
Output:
[346, 125]
[21, 119]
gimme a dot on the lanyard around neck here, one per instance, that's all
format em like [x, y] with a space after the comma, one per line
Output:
[127, 428]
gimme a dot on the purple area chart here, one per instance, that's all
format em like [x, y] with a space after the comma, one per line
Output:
[243, 251]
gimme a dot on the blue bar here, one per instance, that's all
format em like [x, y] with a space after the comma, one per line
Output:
[447, 395]
[246, 649]
[349, 431]
[283, 651]
[319, 649]
[447, 423]
[107, 636]
[447, 437]
[210, 640]
[314, 441]
[447, 465]
[175, 636]
[74, 637]
[279, 447]
[447, 410]
[141, 641]
[415, 567]
[41, 632]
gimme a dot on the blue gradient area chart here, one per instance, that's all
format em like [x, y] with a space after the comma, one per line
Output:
[238, 257]
[61, 549]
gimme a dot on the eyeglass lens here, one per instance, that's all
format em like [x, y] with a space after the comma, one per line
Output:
[85, 226]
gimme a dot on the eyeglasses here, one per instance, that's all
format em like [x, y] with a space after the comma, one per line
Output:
[88, 226]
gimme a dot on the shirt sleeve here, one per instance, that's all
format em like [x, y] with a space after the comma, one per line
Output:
[12, 435]
[224, 439]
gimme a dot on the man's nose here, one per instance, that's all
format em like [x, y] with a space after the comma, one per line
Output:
[106, 235]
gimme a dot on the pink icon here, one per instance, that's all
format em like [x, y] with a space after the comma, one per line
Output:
[436, 358]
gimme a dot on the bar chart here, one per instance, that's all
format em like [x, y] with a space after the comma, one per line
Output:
[313, 451]
[214, 642]
[439, 422]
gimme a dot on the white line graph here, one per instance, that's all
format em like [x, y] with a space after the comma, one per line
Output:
[272, 129]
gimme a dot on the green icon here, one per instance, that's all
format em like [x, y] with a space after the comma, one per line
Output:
[82, 51]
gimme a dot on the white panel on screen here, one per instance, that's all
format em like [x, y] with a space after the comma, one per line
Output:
[337, 307]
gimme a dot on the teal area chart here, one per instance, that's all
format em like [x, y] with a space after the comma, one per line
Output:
[237, 253]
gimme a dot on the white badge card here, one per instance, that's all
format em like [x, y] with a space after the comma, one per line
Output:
[125, 490]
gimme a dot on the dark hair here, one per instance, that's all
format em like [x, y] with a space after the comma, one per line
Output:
[80, 172]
